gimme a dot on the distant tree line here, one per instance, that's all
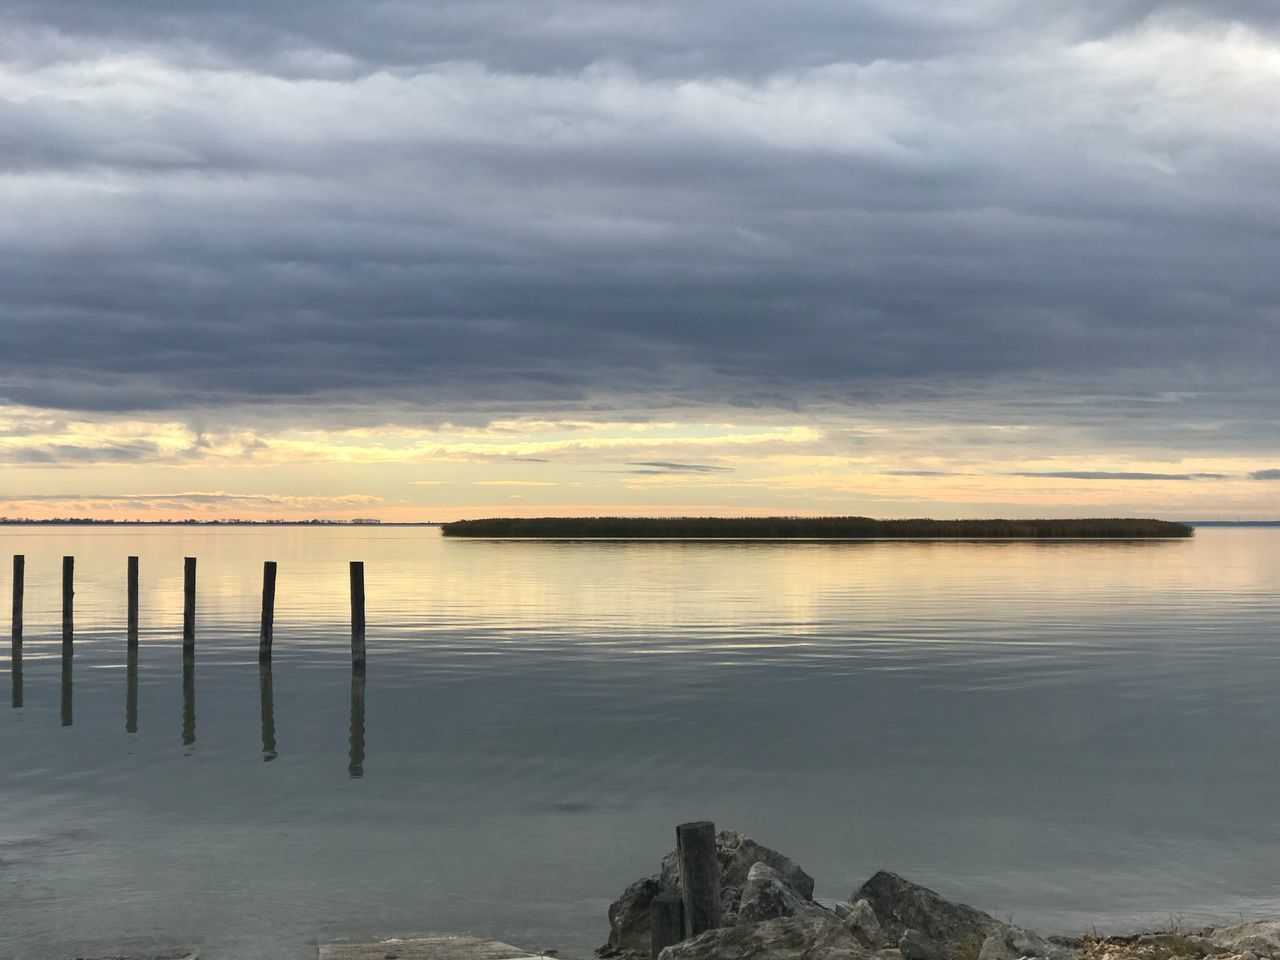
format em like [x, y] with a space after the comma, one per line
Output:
[827, 528]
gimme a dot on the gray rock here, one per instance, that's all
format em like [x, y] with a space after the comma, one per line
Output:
[629, 921]
[629, 914]
[1258, 936]
[766, 896]
[427, 948]
[860, 920]
[1013, 943]
[789, 938]
[1202, 946]
[915, 945]
[738, 854]
[901, 905]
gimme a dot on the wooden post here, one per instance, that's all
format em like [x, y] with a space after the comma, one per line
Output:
[133, 602]
[267, 629]
[19, 578]
[666, 922]
[189, 603]
[357, 614]
[68, 598]
[699, 876]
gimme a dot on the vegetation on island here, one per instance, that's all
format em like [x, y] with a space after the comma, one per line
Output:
[807, 528]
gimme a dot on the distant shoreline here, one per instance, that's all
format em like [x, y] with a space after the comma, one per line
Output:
[812, 528]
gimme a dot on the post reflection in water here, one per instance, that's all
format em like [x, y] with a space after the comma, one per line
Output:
[268, 711]
[15, 671]
[188, 698]
[131, 692]
[66, 684]
[355, 751]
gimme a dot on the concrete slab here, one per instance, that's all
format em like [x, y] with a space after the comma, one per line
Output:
[427, 948]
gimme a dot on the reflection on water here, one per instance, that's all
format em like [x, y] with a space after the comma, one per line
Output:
[15, 672]
[355, 741]
[131, 690]
[266, 699]
[67, 654]
[1015, 724]
[188, 697]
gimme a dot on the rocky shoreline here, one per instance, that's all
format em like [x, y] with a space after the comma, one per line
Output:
[768, 913]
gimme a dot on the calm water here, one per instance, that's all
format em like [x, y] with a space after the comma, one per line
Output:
[1066, 733]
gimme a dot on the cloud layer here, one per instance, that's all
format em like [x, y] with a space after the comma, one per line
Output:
[993, 212]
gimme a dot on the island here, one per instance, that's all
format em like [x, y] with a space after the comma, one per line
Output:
[811, 528]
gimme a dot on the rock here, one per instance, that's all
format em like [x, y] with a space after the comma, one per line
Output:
[901, 905]
[915, 945]
[788, 938]
[1202, 945]
[629, 920]
[1258, 936]
[1012, 943]
[427, 948]
[629, 914]
[766, 896]
[860, 920]
[738, 854]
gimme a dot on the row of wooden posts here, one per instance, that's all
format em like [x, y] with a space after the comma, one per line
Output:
[266, 632]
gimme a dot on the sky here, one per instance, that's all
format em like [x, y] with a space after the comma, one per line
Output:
[426, 260]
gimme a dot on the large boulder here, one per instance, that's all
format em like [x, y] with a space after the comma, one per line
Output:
[629, 914]
[737, 855]
[1257, 936]
[629, 920]
[789, 938]
[915, 945]
[1013, 943]
[860, 920]
[901, 905]
[766, 896]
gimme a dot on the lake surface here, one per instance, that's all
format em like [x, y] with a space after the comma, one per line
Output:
[1068, 733]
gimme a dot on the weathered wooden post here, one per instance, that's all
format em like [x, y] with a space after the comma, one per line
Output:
[189, 603]
[19, 579]
[666, 922]
[68, 598]
[699, 876]
[132, 585]
[357, 614]
[131, 691]
[266, 632]
[355, 744]
[266, 699]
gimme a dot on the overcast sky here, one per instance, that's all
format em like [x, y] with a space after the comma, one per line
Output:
[427, 259]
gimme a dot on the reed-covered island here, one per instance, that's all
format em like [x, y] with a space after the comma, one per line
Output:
[812, 528]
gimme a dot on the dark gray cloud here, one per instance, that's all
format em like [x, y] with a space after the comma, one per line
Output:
[655, 467]
[546, 206]
[65, 454]
[347, 37]
[1265, 475]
